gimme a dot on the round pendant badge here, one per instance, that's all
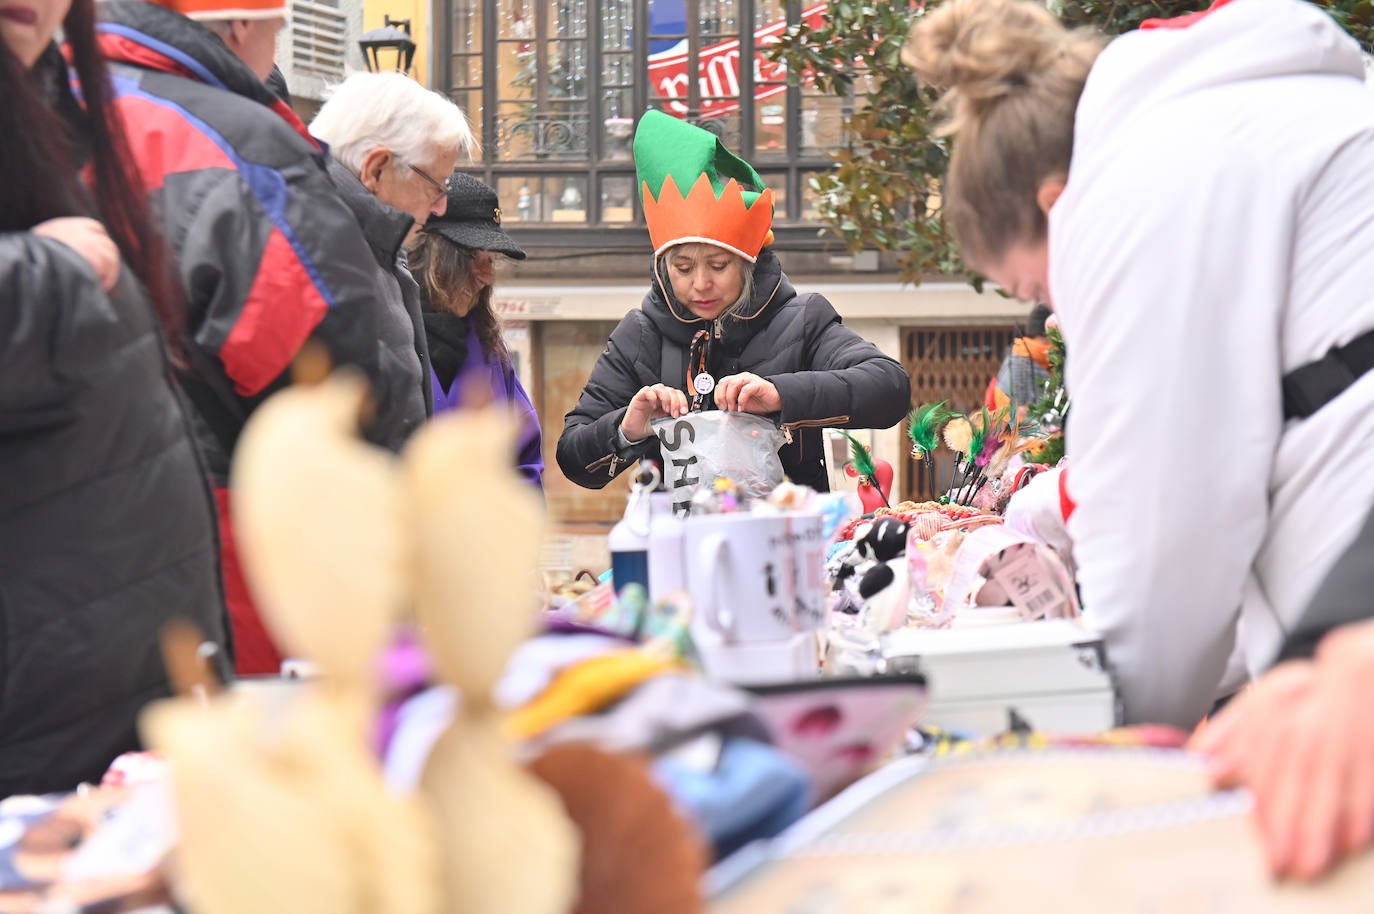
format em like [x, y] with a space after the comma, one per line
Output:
[704, 383]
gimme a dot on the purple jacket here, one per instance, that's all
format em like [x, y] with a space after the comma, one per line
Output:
[505, 387]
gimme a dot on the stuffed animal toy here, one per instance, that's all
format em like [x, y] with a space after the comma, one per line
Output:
[883, 541]
[844, 564]
[886, 590]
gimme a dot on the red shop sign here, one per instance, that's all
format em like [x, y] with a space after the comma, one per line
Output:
[718, 69]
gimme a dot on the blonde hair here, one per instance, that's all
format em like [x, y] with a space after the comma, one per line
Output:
[1012, 75]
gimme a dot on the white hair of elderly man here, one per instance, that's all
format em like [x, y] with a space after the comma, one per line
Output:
[368, 110]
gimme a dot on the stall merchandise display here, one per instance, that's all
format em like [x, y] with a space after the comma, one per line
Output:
[278, 797]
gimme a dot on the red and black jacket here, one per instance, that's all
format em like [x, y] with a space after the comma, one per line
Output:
[267, 254]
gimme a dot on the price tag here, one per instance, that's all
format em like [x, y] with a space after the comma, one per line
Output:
[1027, 582]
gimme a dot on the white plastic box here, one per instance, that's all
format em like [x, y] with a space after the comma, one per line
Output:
[1051, 673]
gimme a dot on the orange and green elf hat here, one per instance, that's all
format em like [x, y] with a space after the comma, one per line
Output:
[227, 9]
[726, 203]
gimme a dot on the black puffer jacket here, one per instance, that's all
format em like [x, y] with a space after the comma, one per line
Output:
[107, 527]
[827, 375]
[401, 326]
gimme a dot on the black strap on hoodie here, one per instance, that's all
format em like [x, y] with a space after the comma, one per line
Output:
[697, 364]
[1312, 386]
[673, 365]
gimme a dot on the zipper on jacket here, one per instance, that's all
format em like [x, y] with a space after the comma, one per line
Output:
[787, 427]
[595, 465]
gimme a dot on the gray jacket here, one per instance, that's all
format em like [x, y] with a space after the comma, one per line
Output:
[401, 326]
[107, 527]
[1346, 596]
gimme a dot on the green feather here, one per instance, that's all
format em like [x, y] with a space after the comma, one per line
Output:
[861, 458]
[924, 424]
[980, 432]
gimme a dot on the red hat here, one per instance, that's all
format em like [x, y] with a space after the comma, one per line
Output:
[227, 9]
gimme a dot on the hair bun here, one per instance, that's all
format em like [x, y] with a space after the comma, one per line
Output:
[981, 51]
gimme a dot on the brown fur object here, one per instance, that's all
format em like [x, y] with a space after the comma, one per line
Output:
[638, 854]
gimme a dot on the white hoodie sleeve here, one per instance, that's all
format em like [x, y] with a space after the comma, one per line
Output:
[1171, 314]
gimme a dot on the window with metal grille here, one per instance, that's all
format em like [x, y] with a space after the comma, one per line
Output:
[319, 40]
[555, 87]
[954, 364]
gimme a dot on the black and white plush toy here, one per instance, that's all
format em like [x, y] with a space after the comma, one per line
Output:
[886, 591]
[883, 541]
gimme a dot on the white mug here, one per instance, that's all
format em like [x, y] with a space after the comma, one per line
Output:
[754, 577]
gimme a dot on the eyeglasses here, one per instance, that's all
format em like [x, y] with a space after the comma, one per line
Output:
[442, 188]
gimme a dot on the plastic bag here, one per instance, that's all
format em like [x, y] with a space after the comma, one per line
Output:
[701, 447]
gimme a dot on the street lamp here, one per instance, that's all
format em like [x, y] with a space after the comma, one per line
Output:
[394, 35]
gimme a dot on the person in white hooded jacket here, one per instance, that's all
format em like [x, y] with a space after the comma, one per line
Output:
[1196, 201]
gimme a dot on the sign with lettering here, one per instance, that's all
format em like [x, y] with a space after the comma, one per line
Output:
[718, 70]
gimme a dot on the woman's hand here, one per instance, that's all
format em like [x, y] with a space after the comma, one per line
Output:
[748, 393]
[1302, 740]
[650, 403]
[89, 239]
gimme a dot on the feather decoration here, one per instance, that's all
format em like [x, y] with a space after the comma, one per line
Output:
[983, 429]
[998, 464]
[924, 425]
[993, 437]
[957, 434]
[979, 432]
[861, 459]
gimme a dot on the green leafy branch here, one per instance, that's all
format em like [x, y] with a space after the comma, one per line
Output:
[883, 190]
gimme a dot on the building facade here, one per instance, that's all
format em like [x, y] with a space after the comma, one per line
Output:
[554, 89]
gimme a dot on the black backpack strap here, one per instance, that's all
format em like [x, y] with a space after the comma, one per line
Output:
[1312, 386]
[673, 367]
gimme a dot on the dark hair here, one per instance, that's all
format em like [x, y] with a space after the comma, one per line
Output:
[444, 271]
[40, 153]
[1035, 323]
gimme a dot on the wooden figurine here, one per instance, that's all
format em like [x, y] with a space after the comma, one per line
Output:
[280, 800]
[508, 846]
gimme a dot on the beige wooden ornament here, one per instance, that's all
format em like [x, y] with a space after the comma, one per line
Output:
[319, 520]
[280, 800]
[508, 846]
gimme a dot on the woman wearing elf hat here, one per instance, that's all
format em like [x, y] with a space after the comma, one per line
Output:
[721, 326]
